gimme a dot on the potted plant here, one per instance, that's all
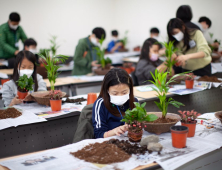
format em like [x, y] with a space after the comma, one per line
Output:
[188, 119]
[179, 136]
[55, 100]
[189, 80]
[135, 118]
[24, 86]
[163, 123]
[105, 62]
[52, 70]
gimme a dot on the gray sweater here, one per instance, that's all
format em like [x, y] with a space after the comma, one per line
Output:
[9, 89]
[143, 69]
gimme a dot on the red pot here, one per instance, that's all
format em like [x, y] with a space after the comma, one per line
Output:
[4, 81]
[56, 105]
[179, 136]
[22, 95]
[191, 128]
[135, 137]
[91, 98]
[189, 84]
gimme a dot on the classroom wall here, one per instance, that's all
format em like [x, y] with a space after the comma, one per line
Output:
[71, 20]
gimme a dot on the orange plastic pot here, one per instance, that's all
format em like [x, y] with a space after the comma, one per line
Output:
[135, 137]
[189, 84]
[22, 95]
[56, 105]
[191, 128]
[4, 81]
[179, 136]
[91, 98]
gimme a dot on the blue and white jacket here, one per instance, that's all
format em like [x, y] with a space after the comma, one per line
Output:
[103, 120]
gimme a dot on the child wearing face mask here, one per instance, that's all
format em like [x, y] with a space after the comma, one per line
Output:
[149, 61]
[116, 96]
[193, 50]
[25, 64]
[115, 44]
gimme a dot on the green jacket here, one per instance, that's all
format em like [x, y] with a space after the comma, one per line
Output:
[83, 57]
[8, 39]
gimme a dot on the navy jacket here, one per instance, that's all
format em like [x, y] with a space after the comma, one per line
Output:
[103, 120]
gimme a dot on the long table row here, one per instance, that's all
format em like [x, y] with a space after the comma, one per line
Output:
[59, 131]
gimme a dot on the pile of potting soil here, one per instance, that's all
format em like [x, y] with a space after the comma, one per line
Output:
[128, 147]
[77, 101]
[102, 153]
[9, 113]
[209, 79]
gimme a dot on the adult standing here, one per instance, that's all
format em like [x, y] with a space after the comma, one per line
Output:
[184, 12]
[10, 34]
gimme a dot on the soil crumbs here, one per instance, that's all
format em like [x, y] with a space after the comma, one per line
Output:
[209, 79]
[166, 120]
[77, 101]
[128, 147]
[9, 113]
[102, 153]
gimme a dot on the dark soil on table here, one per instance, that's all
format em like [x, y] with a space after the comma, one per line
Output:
[128, 147]
[166, 120]
[77, 101]
[220, 116]
[9, 113]
[209, 79]
[101, 153]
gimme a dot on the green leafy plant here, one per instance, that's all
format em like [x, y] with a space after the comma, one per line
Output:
[190, 76]
[137, 116]
[101, 53]
[24, 83]
[54, 46]
[51, 67]
[170, 50]
[125, 38]
[213, 48]
[162, 88]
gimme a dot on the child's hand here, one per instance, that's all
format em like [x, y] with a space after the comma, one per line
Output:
[120, 130]
[15, 101]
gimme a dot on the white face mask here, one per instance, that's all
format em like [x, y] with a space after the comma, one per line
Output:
[179, 36]
[115, 39]
[119, 100]
[34, 51]
[94, 41]
[14, 27]
[155, 37]
[154, 57]
[25, 71]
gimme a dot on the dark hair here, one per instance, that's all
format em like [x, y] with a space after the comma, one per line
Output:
[20, 56]
[184, 12]
[178, 23]
[146, 49]
[29, 42]
[114, 33]
[14, 16]
[154, 30]
[114, 77]
[99, 32]
[205, 19]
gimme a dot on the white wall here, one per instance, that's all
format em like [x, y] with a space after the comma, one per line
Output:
[71, 20]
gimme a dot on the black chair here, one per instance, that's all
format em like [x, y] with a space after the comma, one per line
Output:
[135, 81]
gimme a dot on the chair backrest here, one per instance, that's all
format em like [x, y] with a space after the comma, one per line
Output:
[135, 81]
[85, 127]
